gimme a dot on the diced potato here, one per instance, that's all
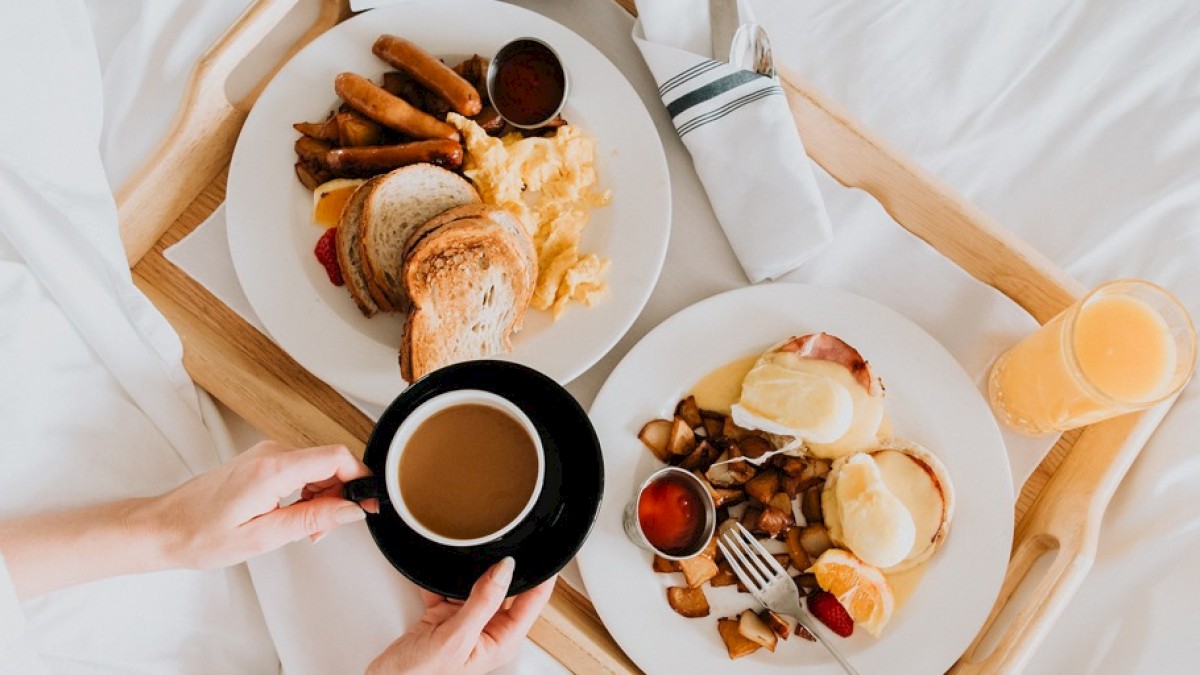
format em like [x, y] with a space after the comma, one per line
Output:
[754, 446]
[356, 130]
[803, 632]
[782, 502]
[654, 435]
[815, 540]
[773, 522]
[690, 412]
[724, 473]
[776, 623]
[783, 559]
[733, 431]
[713, 423]
[664, 566]
[711, 551]
[796, 485]
[682, 440]
[763, 486]
[701, 458]
[736, 643]
[689, 602]
[796, 552]
[810, 506]
[816, 469]
[805, 582]
[723, 496]
[753, 628]
[750, 518]
[697, 570]
[724, 577]
[792, 466]
[322, 131]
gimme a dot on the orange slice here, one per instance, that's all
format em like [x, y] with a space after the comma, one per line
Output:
[330, 198]
[859, 587]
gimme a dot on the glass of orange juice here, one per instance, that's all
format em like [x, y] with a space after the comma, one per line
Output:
[1125, 346]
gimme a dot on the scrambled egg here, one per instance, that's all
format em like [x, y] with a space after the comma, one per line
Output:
[550, 184]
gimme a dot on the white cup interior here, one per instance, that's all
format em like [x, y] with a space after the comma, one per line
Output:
[428, 409]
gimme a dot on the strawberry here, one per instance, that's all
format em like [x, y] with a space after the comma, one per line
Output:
[824, 606]
[326, 252]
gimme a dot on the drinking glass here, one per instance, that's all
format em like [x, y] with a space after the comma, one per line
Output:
[1126, 346]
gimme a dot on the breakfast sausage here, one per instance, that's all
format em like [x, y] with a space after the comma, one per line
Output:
[371, 160]
[371, 100]
[429, 71]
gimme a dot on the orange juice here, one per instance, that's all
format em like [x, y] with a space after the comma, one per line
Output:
[1124, 347]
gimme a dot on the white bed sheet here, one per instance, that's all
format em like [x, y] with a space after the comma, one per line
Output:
[1071, 123]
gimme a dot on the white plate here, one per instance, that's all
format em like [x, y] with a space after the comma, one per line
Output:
[271, 235]
[929, 400]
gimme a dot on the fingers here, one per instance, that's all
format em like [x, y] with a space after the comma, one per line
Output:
[514, 624]
[486, 597]
[302, 519]
[323, 466]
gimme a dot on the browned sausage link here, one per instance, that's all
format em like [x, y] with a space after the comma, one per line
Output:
[371, 100]
[429, 71]
[372, 160]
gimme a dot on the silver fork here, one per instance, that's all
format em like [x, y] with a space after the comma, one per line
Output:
[769, 583]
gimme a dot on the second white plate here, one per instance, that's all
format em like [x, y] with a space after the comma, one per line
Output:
[929, 400]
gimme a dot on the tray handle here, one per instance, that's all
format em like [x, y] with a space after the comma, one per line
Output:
[205, 127]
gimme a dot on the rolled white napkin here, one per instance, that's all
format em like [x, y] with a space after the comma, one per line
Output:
[743, 140]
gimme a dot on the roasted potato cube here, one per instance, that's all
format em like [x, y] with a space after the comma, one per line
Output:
[711, 551]
[322, 131]
[763, 486]
[724, 473]
[664, 566]
[356, 130]
[754, 629]
[724, 496]
[701, 458]
[803, 632]
[750, 518]
[816, 469]
[689, 412]
[682, 439]
[796, 552]
[755, 446]
[782, 502]
[810, 505]
[310, 176]
[737, 644]
[814, 538]
[783, 559]
[733, 431]
[474, 70]
[792, 466]
[776, 623]
[697, 570]
[724, 577]
[806, 582]
[713, 423]
[654, 435]
[312, 152]
[796, 485]
[773, 522]
[689, 602]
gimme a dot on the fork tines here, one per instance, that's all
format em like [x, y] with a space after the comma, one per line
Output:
[743, 551]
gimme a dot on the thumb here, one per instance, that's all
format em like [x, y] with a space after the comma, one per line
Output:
[303, 519]
[487, 595]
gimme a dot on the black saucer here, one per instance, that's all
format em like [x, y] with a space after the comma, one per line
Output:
[561, 518]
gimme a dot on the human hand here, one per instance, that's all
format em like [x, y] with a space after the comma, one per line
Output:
[231, 513]
[476, 636]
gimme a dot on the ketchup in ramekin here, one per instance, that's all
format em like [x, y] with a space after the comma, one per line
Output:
[673, 514]
[527, 83]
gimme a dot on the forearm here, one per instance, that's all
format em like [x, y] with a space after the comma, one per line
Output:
[49, 551]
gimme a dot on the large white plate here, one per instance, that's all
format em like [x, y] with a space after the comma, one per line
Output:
[929, 399]
[271, 235]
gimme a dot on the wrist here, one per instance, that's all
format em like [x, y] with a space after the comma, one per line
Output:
[146, 526]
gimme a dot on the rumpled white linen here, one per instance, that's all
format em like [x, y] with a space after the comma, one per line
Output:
[741, 136]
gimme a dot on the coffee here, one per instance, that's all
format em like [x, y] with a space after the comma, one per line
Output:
[468, 471]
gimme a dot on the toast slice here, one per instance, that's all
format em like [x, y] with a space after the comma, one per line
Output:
[470, 276]
[349, 253]
[401, 201]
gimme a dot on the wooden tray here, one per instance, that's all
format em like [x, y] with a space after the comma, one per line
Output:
[1060, 507]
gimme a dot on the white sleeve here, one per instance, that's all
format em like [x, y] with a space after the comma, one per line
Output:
[16, 654]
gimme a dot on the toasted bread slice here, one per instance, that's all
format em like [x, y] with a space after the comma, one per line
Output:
[401, 201]
[470, 280]
[349, 252]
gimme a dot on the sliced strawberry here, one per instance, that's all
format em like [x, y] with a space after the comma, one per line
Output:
[326, 252]
[824, 606]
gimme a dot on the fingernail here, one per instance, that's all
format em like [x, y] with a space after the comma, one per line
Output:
[348, 514]
[504, 572]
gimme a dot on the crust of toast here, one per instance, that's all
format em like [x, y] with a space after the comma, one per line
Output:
[348, 251]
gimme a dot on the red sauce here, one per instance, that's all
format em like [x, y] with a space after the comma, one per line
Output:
[529, 85]
[671, 514]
